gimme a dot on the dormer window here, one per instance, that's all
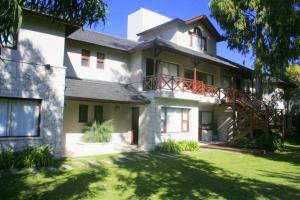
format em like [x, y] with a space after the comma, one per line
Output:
[198, 41]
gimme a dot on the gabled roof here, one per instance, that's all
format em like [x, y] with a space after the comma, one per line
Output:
[172, 47]
[202, 18]
[103, 90]
[102, 40]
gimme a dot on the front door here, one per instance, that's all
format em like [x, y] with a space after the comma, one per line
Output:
[135, 125]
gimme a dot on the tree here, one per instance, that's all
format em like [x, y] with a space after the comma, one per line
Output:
[75, 12]
[269, 29]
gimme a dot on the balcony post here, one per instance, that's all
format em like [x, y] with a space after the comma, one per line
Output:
[194, 77]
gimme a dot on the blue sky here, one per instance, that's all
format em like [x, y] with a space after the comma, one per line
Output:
[184, 9]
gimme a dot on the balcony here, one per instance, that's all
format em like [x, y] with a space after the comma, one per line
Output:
[173, 83]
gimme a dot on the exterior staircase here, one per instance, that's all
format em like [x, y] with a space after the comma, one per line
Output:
[249, 114]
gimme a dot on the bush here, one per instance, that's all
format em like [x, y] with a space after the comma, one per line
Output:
[261, 140]
[35, 157]
[98, 132]
[31, 157]
[7, 159]
[241, 142]
[189, 146]
[172, 146]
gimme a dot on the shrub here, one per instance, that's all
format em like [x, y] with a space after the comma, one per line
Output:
[172, 146]
[241, 142]
[169, 146]
[34, 157]
[31, 157]
[189, 145]
[98, 132]
[261, 140]
[7, 159]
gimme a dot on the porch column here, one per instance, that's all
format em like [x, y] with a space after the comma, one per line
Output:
[194, 76]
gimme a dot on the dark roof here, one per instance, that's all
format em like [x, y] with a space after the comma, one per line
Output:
[104, 91]
[202, 18]
[165, 44]
[102, 39]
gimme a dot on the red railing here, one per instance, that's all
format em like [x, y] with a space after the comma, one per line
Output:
[173, 83]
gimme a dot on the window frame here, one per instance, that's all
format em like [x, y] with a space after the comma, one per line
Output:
[200, 73]
[164, 129]
[39, 124]
[101, 108]
[169, 63]
[100, 60]
[85, 57]
[87, 113]
[198, 33]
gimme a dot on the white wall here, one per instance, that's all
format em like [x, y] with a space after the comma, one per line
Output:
[40, 41]
[120, 114]
[142, 20]
[116, 64]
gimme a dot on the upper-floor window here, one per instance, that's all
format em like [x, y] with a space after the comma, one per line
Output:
[200, 76]
[11, 43]
[85, 57]
[198, 41]
[100, 60]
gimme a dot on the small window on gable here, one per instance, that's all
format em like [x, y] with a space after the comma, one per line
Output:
[198, 41]
[85, 57]
[100, 60]
[11, 43]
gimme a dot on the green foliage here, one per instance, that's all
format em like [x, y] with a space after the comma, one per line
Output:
[31, 157]
[34, 157]
[98, 132]
[267, 29]
[241, 142]
[83, 12]
[7, 159]
[172, 146]
[270, 142]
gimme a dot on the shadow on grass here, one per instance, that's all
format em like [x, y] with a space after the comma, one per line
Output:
[290, 154]
[190, 178]
[58, 184]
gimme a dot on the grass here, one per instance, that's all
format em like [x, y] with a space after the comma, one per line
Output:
[208, 174]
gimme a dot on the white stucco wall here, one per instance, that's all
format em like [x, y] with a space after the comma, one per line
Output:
[116, 64]
[23, 75]
[40, 41]
[142, 20]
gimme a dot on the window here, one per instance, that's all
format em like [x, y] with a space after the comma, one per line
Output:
[149, 67]
[169, 68]
[83, 113]
[200, 76]
[197, 40]
[12, 41]
[19, 117]
[206, 119]
[226, 82]
[85, 57]
[100, 60]
[174, 120]
[98, 114]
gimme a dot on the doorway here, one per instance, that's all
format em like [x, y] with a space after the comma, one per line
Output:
[135, 125]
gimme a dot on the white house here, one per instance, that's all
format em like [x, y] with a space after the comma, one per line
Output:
[165, 81]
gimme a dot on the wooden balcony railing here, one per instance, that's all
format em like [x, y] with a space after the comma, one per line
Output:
[173, 83]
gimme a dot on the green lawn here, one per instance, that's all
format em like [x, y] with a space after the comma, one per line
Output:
[208, 174]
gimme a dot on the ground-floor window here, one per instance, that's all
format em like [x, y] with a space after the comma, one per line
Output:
[174, 120]
[19, 117]
[98, 114]
[83, 113]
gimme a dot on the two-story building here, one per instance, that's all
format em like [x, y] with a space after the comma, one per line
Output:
[165, 81]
